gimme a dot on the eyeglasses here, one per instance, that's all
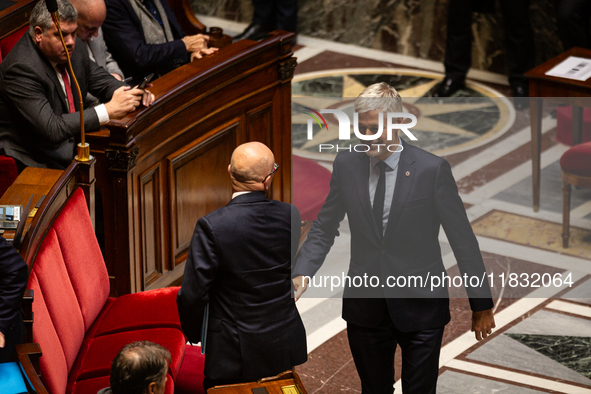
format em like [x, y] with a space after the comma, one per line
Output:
[275, 168]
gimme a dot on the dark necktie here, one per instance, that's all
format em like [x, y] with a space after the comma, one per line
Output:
[378, 200]
[68, 86]
[150, 6]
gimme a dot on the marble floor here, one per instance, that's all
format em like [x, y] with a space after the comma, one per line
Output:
[542, 343]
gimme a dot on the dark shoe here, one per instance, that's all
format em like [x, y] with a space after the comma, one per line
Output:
[521, 96]
[448, 87]
[252, 32]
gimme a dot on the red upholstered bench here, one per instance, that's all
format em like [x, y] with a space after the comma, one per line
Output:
[80, 329]
[311, 183]
[564, 125]
[575, 165]
[8, 173]
[7, 43]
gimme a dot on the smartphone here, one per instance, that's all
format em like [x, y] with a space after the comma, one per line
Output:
[145, 81]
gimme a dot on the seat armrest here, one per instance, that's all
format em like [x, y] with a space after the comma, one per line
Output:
[28, 356]
[27, 308]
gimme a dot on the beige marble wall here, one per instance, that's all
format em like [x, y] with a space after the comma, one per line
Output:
[410, 27]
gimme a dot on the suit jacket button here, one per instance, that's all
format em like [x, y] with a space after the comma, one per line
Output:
[71, 140]
[383, 252]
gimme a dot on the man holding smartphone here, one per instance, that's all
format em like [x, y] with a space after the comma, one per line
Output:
[38, 107]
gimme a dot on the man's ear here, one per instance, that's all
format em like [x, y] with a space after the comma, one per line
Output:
[267, 183]
[152, 388]
[38, 34]
[230, 169]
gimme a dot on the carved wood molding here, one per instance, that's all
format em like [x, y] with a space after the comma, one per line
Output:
[286, 69]
[122, 160]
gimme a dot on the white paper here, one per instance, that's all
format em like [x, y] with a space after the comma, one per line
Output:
[577, 68]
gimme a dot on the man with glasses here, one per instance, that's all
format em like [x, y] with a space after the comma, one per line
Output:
[239, 266]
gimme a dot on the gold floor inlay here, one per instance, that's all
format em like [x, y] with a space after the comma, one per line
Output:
[533, 232]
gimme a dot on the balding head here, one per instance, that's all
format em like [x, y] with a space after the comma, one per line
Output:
[250, 166]
[91, 15]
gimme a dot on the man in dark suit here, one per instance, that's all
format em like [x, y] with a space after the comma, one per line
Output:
[13, 281]
[240, 264]
[395, 204]
[38, 110]
[91, 15]
[145, 37]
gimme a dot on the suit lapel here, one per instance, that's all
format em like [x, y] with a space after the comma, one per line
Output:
[403, 186]
[362, 183]
[51, 73]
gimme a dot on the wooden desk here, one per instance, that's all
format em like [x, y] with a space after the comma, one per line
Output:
[285, 383]
[159, 169]
[555, 89]
[32, 181]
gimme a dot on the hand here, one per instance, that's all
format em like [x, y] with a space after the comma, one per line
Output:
[195, 43]
[117, 76]
[203, 52]
[124, 101]
[482, 323]
[148, 98]
[300, 284]
[2, 340]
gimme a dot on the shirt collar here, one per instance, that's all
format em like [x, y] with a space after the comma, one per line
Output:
[234, 195]
[391, 161]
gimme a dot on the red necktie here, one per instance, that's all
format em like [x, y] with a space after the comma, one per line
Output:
[66, 78]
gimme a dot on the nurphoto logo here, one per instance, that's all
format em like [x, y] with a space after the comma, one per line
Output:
[393, 122]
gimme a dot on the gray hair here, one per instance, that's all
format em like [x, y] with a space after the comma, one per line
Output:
[42, 18]
[379, 97]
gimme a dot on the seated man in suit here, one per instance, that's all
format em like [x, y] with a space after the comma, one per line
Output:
[38, 109]
[139, 368]
[13, 281]
[91, 15]
[145, 37]
[239, 263]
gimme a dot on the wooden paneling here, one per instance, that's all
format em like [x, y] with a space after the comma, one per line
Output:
[199, 184]
[259, 124]
[150, 220]
[163, 167]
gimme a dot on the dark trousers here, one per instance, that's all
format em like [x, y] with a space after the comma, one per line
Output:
[573, 23]
[14, 336]
[373, 351]
[519, 42]
[276, 14]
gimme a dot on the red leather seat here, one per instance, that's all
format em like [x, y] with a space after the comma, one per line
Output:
[577, 160]
[575, 165]
[79, 328]
[8, 173]
[311, 183]
[7, 43]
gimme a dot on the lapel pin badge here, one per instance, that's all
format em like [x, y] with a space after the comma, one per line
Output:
[407, 173]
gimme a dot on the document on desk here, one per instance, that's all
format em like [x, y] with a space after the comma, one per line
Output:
[577, 68]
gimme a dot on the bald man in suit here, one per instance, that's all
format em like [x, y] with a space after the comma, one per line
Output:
[240, 264]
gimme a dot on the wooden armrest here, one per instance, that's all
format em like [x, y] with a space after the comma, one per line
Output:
[186, 17]
[28, 356]
[27, 308]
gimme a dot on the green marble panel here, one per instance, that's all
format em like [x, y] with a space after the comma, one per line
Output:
[572, 352]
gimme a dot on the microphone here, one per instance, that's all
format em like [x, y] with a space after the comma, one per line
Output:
[51, 6]
[83, 147]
